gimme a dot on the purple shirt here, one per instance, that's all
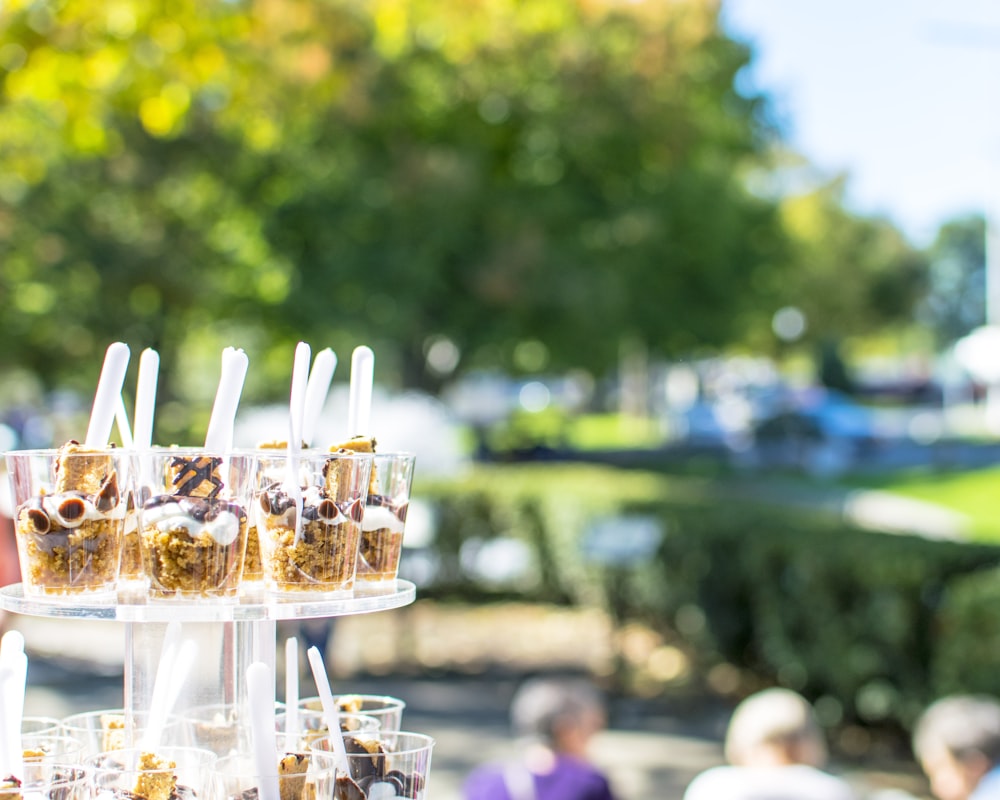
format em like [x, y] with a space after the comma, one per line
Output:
[571, 779]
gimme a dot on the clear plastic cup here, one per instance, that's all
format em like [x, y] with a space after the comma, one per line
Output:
[52, 748]
[193, 521]
[386, 709]
[49, 781]
[297, 775]
[318, 554]
[167, 772]
[31, 725]
[69, 518]
[312, 725]
[223, 728]
[111, 729]
[384, 523]
[253, 568]
[132, 573]
[217, 727]
[383, 765]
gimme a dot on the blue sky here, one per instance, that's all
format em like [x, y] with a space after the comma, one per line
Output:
[901, 94]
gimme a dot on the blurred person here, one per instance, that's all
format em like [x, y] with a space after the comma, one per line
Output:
[775, 750]
[10, 569]
[957, 742]
[556, 720]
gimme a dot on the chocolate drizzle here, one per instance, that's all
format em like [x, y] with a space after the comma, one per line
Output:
[193, 472]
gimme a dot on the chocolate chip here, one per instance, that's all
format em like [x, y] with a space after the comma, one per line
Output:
[398, 781]
[72, 508]
[39, 520]
[108, 495]
[327, 510]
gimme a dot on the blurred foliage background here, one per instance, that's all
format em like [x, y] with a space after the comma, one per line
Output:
[506, 185]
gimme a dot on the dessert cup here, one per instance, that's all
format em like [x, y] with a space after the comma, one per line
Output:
[312, 726]
[299, 775]
[218, 727]
[48, 781]
[110, 729]
[315, 554]
[169, 773]
[69, 518]
[223, 728]
[32, 725]
[132, 574]
[193, 521]
[51, 748]
[384, 521]
[383, 766]
[387, 710]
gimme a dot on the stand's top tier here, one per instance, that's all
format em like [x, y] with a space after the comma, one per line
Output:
[121, 608]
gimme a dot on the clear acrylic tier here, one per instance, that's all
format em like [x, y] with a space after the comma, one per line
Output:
[228, 636]
[128, 608]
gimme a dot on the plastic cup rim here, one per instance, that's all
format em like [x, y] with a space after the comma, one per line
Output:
[428, 743]
[391, 703]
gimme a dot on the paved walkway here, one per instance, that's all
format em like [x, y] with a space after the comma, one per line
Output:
[649, 750]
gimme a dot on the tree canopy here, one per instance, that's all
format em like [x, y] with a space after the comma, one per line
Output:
[188, 174]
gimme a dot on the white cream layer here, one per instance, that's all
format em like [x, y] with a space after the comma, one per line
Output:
[379, 517]
[223, 529]
[51, 503]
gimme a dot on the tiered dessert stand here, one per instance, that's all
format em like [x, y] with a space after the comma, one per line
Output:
[230, 636]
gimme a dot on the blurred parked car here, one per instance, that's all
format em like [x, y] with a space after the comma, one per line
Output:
[818, 431]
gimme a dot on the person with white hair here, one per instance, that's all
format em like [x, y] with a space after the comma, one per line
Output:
[957, 742]
[775, 750]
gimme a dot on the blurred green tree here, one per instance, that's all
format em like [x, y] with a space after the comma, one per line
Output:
[852, 275]
[956, 298]
[188, 174]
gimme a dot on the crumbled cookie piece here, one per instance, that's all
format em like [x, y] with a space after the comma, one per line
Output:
[82, 469]
[292, 770]
[155, 780]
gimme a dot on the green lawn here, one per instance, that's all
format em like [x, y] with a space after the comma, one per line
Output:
[973, 493]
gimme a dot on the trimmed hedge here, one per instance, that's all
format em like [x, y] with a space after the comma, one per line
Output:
[879, 623]
[822, 607]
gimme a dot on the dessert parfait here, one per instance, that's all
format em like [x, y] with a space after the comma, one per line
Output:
[312, 726]
[10, 787]
[253, 568]
[50, 748]
[131, 566]
[216, 727]
[193, 526]
[171, 774]
[69, 518]
[385, 519]
[299, 776]
[309, 521]
[379, 770]
[387, 711]
[40, 781]
[108, 729]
